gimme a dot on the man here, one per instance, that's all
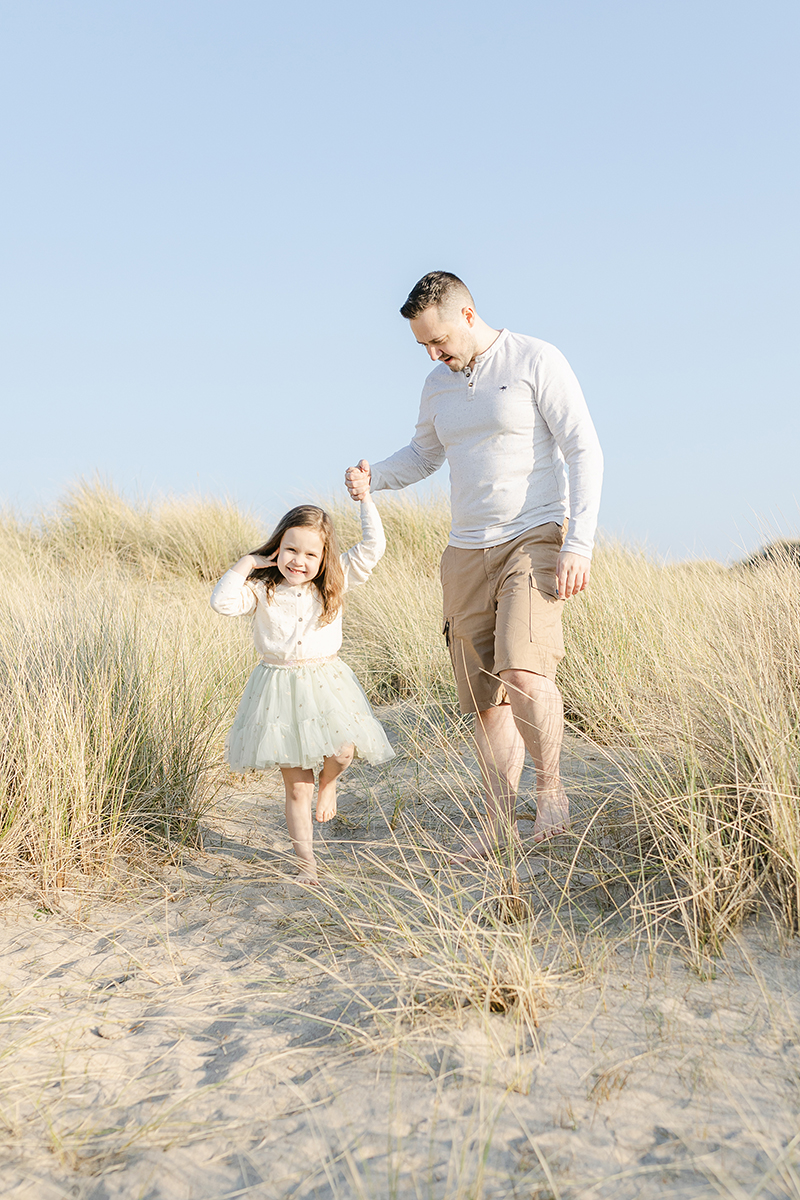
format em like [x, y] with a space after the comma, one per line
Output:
[508, 415]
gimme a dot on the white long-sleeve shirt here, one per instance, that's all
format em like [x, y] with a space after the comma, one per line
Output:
[509, 429]
[286, 629]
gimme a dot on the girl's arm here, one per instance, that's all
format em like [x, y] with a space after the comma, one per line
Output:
[359, 561]
[232, 597]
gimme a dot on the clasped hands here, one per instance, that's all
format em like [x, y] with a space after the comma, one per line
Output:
[357, 480]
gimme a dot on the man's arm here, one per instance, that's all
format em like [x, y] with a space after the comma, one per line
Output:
[561, 403]
[421, 457]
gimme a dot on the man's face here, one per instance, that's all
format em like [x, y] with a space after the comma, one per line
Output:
[448, 338]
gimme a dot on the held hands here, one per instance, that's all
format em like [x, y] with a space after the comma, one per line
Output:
[573, 574]
[358, 479]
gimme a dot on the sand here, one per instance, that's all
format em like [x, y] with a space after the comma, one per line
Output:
[212, 1030]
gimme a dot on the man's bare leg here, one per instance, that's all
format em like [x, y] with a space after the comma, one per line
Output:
[501, 753]
[539, 715]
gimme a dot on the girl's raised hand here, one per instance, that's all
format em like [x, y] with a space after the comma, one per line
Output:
[251, 562]
[261, 560]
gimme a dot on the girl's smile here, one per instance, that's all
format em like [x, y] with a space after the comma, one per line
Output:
[300, 555]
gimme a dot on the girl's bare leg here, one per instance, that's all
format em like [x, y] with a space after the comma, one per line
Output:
[299, 785]
[332, 768]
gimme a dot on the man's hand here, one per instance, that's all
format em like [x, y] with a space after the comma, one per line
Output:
[358, 479]
[573, 574]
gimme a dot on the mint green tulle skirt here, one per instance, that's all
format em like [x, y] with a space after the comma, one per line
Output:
[296, 716]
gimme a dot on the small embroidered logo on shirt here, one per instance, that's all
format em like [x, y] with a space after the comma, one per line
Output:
[503, 387]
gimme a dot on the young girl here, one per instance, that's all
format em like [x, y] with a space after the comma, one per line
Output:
[302, 708]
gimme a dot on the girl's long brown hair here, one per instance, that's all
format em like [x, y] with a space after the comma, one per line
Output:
[330, 580]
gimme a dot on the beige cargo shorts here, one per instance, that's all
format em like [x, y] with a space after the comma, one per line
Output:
[501, 612]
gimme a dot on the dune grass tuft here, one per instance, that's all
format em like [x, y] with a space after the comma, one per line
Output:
[190, 537]
[116, 682]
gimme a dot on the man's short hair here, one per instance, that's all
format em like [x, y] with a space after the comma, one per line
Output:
[439, 289]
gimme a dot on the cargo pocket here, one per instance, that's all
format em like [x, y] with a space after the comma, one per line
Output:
[537, 598]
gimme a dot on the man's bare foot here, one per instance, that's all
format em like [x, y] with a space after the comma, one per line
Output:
[326, 802]
[482, 847]
[473, 850]
[552, 816]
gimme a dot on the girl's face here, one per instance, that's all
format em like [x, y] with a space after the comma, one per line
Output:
[300, 555]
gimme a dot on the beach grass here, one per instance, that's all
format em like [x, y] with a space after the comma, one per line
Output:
[118, 684]
[116, 680]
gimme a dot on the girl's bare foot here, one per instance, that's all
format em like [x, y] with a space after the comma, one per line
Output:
[326, 801]
[306, 876]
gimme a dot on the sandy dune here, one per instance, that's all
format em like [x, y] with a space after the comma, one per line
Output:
[220, 1032]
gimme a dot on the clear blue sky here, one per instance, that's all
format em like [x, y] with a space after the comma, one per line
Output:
[211, 213]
